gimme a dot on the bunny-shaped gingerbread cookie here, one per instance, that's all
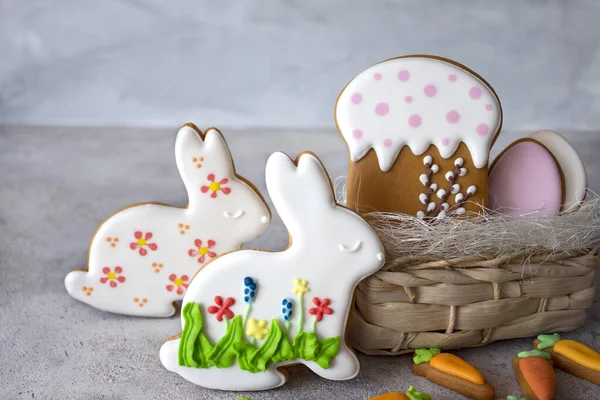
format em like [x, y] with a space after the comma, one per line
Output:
[142, 259]
[250, 312]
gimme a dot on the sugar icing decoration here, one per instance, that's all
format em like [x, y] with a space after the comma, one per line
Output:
[417, 102]
[570, 349]
[441, 208]
[301, 301]
[149, 252]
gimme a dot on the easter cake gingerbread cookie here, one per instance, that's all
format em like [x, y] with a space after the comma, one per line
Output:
[419, 131]
[250, 312]
[142, 258]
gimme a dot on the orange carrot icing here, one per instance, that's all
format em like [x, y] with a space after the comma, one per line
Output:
[453, 365]
[539, 375]
[578, 353]
[390, 396]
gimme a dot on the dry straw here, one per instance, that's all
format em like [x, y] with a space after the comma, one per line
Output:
[465, 282]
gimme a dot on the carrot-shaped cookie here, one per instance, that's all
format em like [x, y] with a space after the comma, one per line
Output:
[452, 372]
[535, 374]
[410, 394]
[572, 357]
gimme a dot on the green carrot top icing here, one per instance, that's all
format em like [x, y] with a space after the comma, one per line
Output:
[515, 398]
[425, 355]
[547, 341]
[534, 353]
[412, 394]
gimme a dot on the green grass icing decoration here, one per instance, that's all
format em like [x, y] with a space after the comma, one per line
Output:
[195, 350]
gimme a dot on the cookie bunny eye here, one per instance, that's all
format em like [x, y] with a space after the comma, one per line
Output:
[351, 249]
[233, 215]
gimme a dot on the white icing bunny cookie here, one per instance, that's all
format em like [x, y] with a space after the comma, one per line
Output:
[250, 312]
[143, 258]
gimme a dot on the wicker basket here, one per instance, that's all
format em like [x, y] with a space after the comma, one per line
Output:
[420, 301]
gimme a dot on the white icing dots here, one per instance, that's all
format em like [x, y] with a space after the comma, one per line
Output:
[420, 214]
[445, 206]
[462, 172]
[433, 187]
[459, 211]
[431, 207]
[459, 162]
[441, 214]
[424, 180]
[471, 190]
[459, 197]
[449, 175]
[441, 193]
[424, 101]
[455, 188]
[435, 168]
[423, 198]
[427, 160]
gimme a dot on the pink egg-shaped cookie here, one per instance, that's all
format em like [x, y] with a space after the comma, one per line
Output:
[524, 178]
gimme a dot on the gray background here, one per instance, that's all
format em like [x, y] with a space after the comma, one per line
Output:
[282, 63]
[269, 70]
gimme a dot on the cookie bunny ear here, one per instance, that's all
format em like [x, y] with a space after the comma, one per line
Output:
[199, 155]
[300, 190]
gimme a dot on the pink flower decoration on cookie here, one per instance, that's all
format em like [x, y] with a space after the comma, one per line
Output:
[215, 187]
[179, 285]
[202, 251]
[142, 243]
[113, 277]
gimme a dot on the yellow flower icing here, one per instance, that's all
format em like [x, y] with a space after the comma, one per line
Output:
[578, 353]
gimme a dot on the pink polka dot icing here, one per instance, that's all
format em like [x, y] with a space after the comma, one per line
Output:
[418, 102]
[382, 109]
[430, 90]
[488, 107]
[482, 129]
[452, 116]
[356, 98]
[357, 133]
[403, 75]
[414, 120]
[377, 76]
[387, 142]
[475, 92]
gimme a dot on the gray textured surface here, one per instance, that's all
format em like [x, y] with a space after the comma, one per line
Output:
[58, 184]
[282, 63]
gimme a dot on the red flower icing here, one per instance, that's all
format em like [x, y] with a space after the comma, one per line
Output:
[142, 243]
[112, 276]
[215, 187]
[179, 284]
[222, 308]
[321, 308]
[202, 251]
